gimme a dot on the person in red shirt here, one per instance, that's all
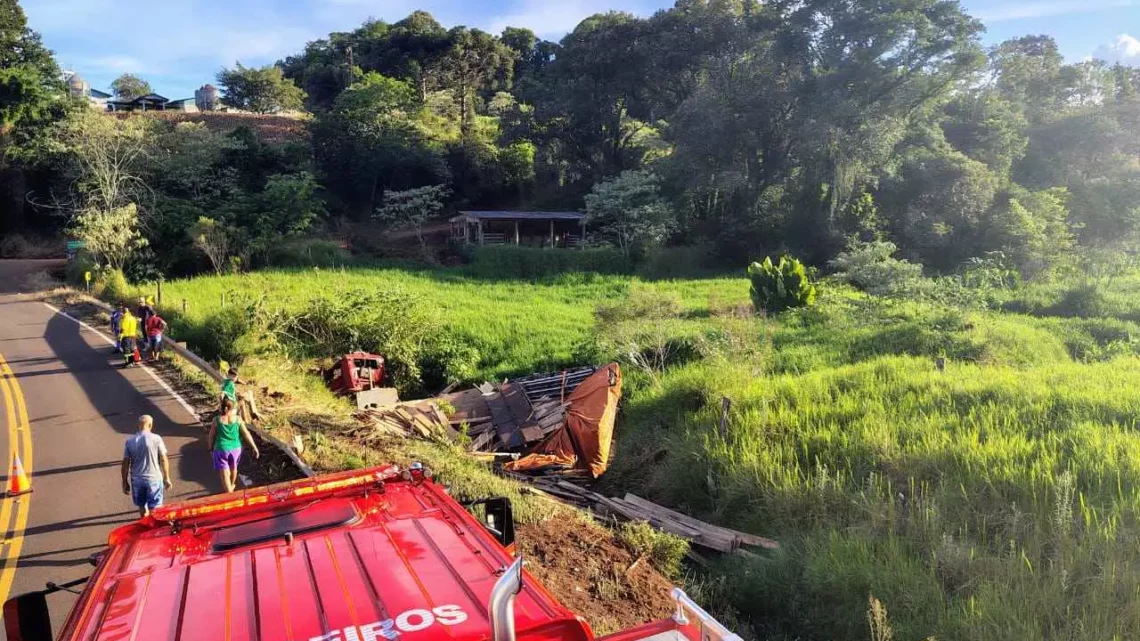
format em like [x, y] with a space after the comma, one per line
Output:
[155, 327]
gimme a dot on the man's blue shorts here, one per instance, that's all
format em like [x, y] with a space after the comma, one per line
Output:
[146, 492]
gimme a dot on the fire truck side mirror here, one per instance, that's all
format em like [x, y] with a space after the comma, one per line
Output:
[497, 516]
[501, 519]
[26, 618]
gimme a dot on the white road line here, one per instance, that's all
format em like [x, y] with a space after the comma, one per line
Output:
[156, 377]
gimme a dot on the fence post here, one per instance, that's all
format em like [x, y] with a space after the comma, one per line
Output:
[184, 307]
[158, 296]
[223, 299]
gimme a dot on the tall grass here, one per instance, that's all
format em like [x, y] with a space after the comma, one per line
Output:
[995, 498]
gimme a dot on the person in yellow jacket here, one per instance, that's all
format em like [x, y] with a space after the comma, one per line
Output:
[128, 334]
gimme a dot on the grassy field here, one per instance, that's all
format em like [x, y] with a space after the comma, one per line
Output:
[997, 499]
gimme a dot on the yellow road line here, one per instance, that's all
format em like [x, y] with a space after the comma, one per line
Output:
[13, 444]
[21, 430]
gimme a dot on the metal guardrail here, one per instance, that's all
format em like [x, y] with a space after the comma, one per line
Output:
[209, 370]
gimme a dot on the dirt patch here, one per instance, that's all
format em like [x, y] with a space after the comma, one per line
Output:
[590, 572]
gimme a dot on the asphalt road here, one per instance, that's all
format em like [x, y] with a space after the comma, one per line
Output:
[67, 409]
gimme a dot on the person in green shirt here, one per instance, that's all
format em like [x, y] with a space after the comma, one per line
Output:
[229, 385]
[226, 434]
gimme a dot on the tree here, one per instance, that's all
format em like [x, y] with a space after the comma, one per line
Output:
[213, 239]
[259, 89]
[373, 141]
[629, 211]
[411, 208]
[29, 78]
[109, 156]
[112, 235]
[474, 59]
[129, 86]
[935, 204]
[1025, 73]
[1031, 228]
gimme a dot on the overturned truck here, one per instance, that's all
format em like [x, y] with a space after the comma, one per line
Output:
[562, 421]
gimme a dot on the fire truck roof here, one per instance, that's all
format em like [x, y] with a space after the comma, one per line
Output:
[349, 557]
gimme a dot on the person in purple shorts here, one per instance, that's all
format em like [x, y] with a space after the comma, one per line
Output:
[226, 434]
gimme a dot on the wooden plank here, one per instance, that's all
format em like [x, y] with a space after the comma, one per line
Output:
[516, 400]
[505, 425]
[480, 428]
[708, 528]
[470, 420]
[482, 440]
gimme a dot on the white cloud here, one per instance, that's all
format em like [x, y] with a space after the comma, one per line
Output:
[1047, 8]
[1125, 49]
[120, 64]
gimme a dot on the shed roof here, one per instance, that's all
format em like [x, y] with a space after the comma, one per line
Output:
[474, 216]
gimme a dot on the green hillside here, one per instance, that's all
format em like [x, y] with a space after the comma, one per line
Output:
[995, 499]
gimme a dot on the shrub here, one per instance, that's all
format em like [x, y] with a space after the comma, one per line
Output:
[530, 262]
[1086, 300]
[776, 287]
[873, 268]
[664, 550]
[390, 322]
[82, 263]
[111, 285]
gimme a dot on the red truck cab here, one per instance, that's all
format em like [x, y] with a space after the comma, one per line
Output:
[379, 554]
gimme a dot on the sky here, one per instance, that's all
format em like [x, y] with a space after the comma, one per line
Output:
[179, 45]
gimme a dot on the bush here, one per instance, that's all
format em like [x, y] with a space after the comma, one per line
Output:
[1085, 301]
[873, 268]
[80, 264]
[111, 285]
[776, 287]
[529, 262]
[664, 550]
[390, 322]
[308, 253]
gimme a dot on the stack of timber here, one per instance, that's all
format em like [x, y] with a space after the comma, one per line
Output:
[513, 415]
[635, 508]
[554, 385]
[418, 420]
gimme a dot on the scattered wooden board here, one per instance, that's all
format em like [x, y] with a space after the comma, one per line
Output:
[635, 508]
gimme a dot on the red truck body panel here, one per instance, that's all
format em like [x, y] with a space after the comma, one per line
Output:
[373, 556]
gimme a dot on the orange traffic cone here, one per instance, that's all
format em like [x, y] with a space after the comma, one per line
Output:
[18, 481]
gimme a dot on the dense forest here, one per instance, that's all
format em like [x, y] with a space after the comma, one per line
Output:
[743, 127]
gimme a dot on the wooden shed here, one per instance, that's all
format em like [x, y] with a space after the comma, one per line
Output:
[528, 228]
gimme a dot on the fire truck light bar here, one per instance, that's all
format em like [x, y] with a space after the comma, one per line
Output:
[262, 496]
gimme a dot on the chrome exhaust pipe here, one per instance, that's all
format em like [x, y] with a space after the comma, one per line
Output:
[501, 609]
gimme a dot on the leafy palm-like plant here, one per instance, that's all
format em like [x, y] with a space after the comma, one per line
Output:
[780, 286]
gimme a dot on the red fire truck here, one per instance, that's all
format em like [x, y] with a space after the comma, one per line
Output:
[379, 554]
